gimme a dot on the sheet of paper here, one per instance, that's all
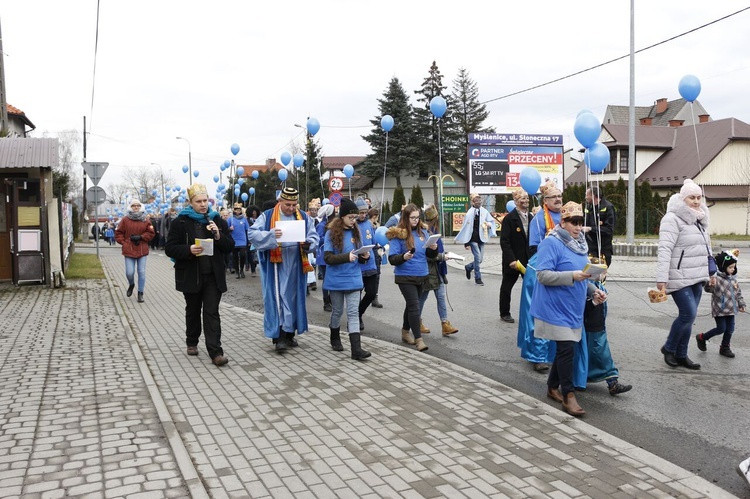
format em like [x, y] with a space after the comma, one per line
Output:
[594, 269]
[364, 249]
[433, 239]
[207, 245]
[292, 231]
[449, 255]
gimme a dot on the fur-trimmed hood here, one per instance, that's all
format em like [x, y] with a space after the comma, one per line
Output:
[396, 232]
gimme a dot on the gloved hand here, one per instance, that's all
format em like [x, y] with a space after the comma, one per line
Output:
[135, 238]
[305, 246]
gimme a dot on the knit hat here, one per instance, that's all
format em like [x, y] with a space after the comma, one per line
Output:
[724, 260]
[361, 205]
[430, 213]
[133, 202]
[347, 207]
[289, 194]
[690, 188]
[518, 194]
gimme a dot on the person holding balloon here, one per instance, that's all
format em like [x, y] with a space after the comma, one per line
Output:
[408, 255]
[600, 224]
[514, 242]
[343, 277]
[284, 267]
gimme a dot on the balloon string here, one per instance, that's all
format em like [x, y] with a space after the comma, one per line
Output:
[382, 195]
[697, 148]
[440, 178]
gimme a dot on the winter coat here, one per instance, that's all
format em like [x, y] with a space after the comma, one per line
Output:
[129, 227]
[182, 235]
[726, 295]
[683, 246]
[514, 239]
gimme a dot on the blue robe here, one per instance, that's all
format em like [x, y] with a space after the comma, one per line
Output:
[284, 308]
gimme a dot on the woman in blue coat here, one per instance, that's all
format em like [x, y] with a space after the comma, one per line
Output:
[343, 277]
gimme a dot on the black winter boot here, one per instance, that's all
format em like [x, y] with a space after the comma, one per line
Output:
[281, 344]
[726, 351]
[357, 352]
[327, 304]
[336, 339]
[290, 340]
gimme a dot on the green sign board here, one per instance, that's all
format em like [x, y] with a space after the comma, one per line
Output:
[455, 202]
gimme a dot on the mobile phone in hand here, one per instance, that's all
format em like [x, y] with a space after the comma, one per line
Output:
[412, 250]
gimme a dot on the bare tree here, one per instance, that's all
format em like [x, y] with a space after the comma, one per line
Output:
[140, 181]
[116, 192]
[66, 179]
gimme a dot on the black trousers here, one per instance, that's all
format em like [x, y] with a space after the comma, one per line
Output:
[510, 277]
[561, 372]
[371, 283]
[238, 257]
[412, 319]
[207, 299]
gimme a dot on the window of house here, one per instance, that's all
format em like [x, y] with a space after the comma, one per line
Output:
[623, 160]
[612, 166]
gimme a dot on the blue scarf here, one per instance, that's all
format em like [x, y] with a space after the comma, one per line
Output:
[198, 217]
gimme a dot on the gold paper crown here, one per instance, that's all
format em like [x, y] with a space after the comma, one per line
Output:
[517, 194]
[314, 203]
[571, 209]
[237, 205]
[289, 194]
[735, 252]
[196, 189]
[547, 188]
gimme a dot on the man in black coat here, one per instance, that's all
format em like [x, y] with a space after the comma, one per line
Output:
[200, 277]
[599, 213]
[514, 242]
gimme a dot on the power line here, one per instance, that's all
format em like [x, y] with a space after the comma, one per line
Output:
[615, 59]
[93, 81]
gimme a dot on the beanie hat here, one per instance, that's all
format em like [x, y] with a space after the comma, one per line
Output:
[347, 207]
[361, 205]
[690, 188]
[133, 202]
[724, 260]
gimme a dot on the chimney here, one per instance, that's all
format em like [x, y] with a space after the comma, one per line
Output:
[703, 118]
[270, 163]
[676, 123]
[647, 121]
[661, 105]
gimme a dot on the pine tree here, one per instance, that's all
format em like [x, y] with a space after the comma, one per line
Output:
[309, 173]
[401, 150]
[416, 197]
[469, 115]
[398, 199]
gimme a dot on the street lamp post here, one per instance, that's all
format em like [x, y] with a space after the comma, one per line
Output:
[161, 177]
[190, 160]
[441, 180]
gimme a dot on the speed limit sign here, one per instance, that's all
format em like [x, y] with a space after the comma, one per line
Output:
[335, 184]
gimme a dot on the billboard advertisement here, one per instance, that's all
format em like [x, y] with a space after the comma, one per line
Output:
[494, 167]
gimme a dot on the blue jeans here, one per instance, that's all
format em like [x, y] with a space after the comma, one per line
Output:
[477, 251]
[352, 310]
[441, 306]
[724, 324]
[130, 264]
[687, 300]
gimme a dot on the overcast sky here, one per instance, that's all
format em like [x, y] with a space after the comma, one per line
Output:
[225, 72]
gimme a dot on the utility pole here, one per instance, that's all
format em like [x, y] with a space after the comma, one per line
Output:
[3, 97]
[84, 228]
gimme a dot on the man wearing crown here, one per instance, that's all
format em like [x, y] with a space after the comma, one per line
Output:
[284, 267]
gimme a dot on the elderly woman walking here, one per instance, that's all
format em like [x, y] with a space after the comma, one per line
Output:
[133, 234]
[683, 265]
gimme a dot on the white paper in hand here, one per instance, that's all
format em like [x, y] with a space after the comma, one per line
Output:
[433, 239]
[363, 249]
[453, 256]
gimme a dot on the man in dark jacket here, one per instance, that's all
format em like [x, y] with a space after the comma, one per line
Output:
[600, 220]
[514, 242]
[199, 271]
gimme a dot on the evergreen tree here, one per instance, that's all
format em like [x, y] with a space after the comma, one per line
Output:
[416, 197]
[309, 174]
[401, 151]
[469, 115]
[398, 199]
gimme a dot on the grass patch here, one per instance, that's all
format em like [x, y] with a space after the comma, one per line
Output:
[84, 266]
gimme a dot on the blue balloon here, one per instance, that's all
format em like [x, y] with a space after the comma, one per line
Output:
[255, 174]
[240, 171]
[154, 192]
[235, 149]
[325, 201]
[596, 157]
[285, 158]
[227, 164]
[244, 196]
[168, 188]
[386, 123]
[583, 111]
[689, 87]
[185, 168]
[236, 193]
[216, 178]
[282, 175]
[380, 236]
[348, 171]
[222, 187]
[438, 106]
[176, 188]
[298, 160]
[251, 190]
[510, 206]
[236, 186]
[530, 180]
[181, 199]
[143, 190]
[313, 125]
[196, 173]
[587, 129]
[240, 181]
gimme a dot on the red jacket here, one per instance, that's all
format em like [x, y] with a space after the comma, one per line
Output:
[128, 227]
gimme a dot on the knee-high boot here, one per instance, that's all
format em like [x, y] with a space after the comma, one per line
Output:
[357, 352]
[336, 339]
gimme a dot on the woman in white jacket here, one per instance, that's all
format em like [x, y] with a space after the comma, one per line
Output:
[682, 266]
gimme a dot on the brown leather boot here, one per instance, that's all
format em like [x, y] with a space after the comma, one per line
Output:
[420, 345]
[422, 328]
[406, 337]
[570, 405]
[448, 328]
